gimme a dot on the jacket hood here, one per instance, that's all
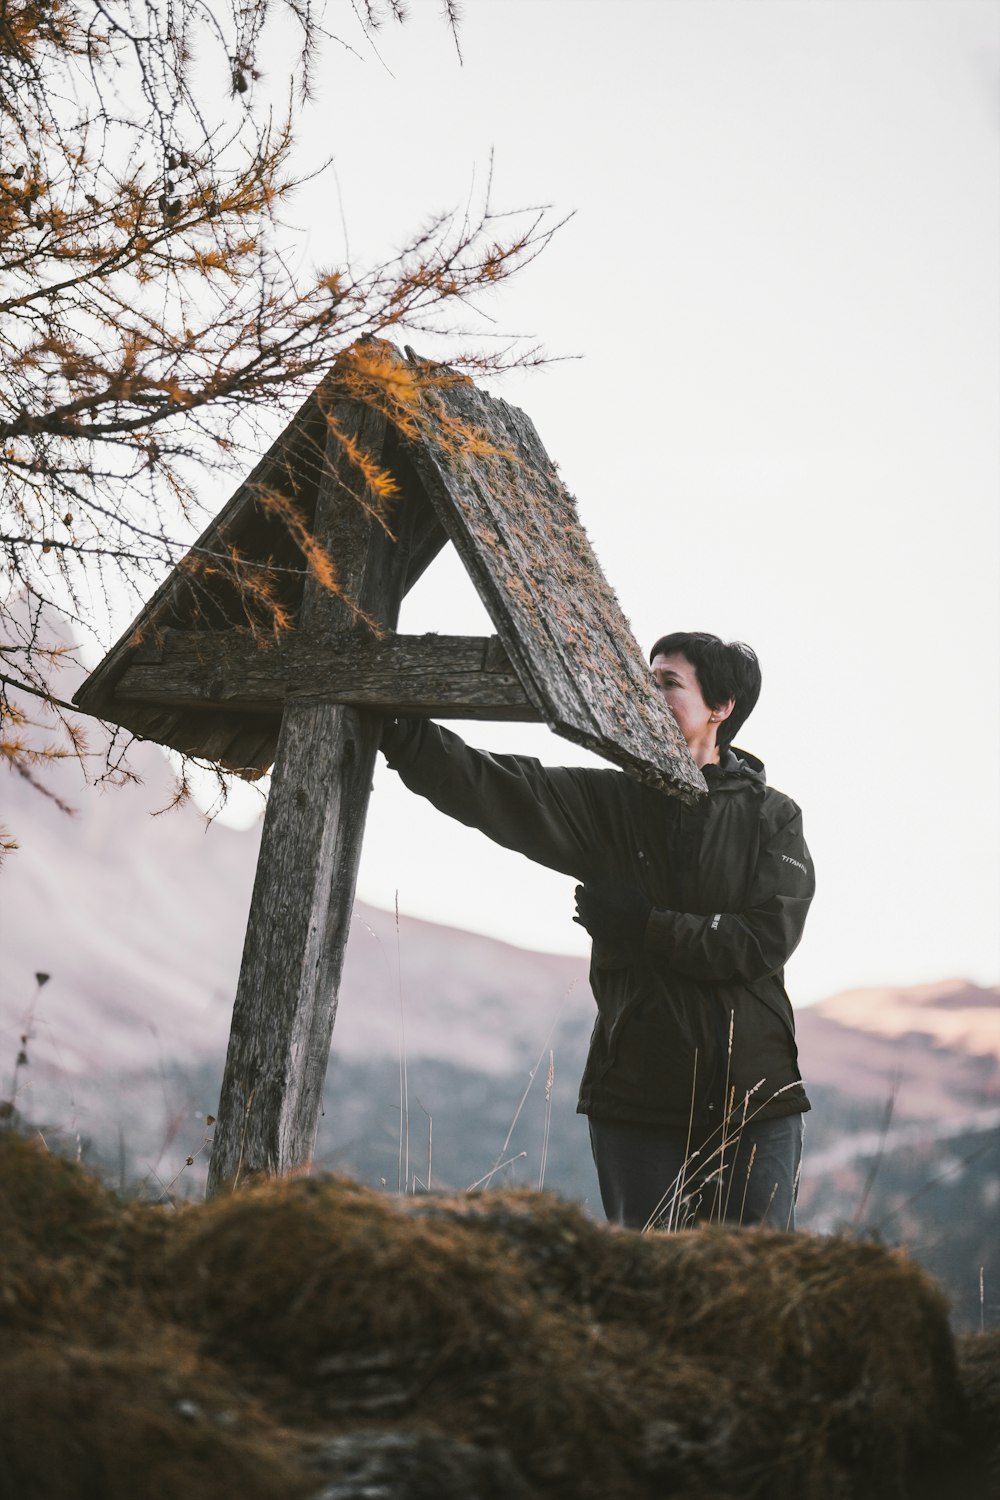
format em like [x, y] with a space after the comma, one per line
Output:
[735, 765]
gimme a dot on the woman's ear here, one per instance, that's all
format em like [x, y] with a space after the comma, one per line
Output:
[719, 714]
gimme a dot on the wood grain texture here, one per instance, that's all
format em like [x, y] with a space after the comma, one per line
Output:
[304, 890]
[459, 677]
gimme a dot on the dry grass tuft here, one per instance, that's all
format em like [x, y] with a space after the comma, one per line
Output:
[220, 1348]
[979, 1368]
[153, 1419]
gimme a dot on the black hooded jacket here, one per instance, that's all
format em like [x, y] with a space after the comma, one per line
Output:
[699, 1022]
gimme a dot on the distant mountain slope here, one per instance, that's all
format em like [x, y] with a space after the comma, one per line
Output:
[934, 1047]
[139, 922]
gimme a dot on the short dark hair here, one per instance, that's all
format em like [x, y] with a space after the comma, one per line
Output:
[725, 669]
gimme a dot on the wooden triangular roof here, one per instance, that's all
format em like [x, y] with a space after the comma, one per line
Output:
[200, 668]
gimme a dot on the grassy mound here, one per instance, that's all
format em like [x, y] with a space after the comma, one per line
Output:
[312, 1337]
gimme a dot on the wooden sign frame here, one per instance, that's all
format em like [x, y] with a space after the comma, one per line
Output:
[198, 671]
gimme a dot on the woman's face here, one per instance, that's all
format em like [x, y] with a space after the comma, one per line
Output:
[678, 681]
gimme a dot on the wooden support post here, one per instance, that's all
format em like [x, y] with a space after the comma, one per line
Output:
[304, 890]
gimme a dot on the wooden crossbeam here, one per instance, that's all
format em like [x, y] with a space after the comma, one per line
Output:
[457, 677]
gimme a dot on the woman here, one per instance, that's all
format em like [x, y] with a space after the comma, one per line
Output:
[691, 1085]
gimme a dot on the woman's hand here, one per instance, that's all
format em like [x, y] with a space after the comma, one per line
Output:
[613, 914]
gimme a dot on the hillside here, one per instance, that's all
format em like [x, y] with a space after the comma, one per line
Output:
[138, 921]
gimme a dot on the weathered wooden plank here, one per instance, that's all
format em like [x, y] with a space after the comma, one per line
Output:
[251, 751]
[239, 743]
[304, 890]
[427, 536]
[431, 675]
[214, 744]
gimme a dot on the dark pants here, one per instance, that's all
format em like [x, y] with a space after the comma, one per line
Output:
[649, 1180]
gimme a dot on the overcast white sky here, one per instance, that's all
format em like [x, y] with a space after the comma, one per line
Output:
[781, 278]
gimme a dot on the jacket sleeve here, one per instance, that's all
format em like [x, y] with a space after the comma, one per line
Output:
[752, 943]
[555, 815]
